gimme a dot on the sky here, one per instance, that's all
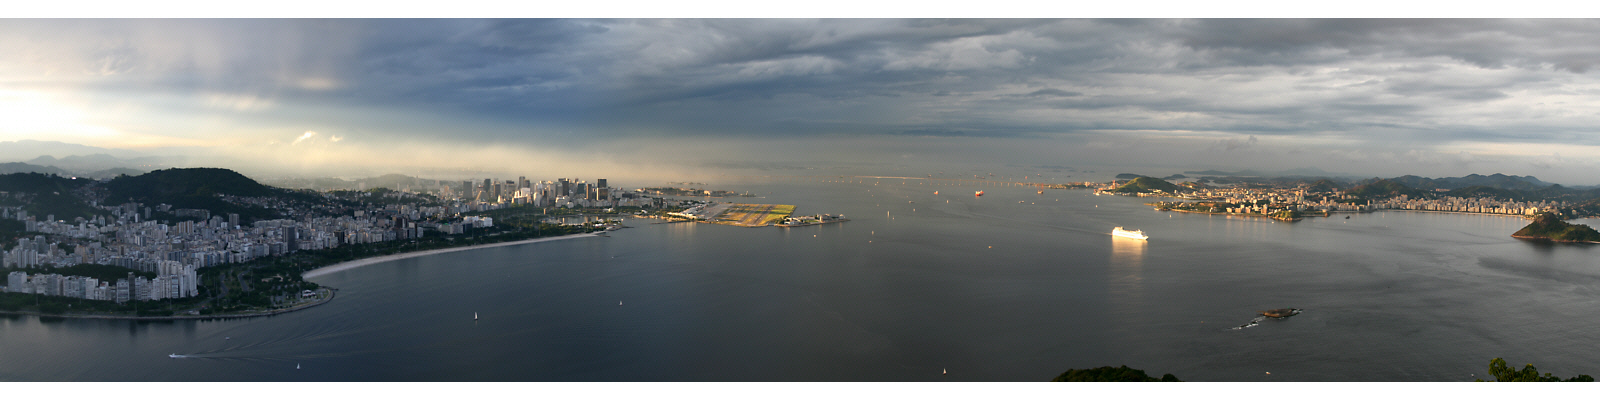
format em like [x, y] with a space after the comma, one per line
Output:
[674, 98]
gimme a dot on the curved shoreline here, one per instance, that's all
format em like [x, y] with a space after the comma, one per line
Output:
[1523, 237]
[347, 265]
[329, 291]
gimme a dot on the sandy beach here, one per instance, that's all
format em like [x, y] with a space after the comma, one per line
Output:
[374, 260]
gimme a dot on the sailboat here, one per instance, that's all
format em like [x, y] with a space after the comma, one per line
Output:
[296, 365]
[946, 371]
[619, 303]
[474, 316]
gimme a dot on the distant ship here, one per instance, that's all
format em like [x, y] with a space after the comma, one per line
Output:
[1280, 313]
[979, 193]
[1128, 234]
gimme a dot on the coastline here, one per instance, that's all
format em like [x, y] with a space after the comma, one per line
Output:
[328, 294]
[347, 265]
[1240, 215]
[1330, 214]
[1554, 240]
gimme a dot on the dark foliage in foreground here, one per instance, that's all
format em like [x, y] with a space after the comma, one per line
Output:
[1109, 374]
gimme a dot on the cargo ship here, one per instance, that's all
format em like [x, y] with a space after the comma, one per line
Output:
[1128, 234]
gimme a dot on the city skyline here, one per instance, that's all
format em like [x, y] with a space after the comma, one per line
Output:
[669, 98]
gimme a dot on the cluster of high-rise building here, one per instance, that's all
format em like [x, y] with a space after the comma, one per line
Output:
[128, 238]
[174, 281]
[174, 252]
[1256, 200]
[558, 193]
[1473, 205]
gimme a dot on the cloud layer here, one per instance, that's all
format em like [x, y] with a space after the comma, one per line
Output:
[1364, 96]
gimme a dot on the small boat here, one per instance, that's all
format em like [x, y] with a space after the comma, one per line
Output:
[174, 355]
[1280, 313]
[979, 193]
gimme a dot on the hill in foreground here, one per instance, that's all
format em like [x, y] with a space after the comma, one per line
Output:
[46, 195]
[1109, 374]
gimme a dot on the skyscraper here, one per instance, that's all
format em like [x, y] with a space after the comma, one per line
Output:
[290, 238]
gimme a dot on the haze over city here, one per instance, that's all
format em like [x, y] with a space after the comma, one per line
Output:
[657, 99]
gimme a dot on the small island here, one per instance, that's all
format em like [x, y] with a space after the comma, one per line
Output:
[1547, 226]
[1147, 185]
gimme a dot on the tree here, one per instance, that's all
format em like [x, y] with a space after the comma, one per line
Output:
[1503, 373]
[1109, 374]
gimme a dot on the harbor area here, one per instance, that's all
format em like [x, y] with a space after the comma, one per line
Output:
[736, 214]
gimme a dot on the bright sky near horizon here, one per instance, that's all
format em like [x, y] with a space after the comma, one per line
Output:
[677, 96]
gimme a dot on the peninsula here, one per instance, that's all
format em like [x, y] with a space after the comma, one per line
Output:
[187, 243]
[1548, 226]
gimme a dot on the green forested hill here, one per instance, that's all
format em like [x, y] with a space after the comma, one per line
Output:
[191, 188]
[1145, 184]
[44, 195]
[1549, 226]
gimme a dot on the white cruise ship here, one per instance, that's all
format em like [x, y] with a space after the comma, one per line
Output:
[1128, 234]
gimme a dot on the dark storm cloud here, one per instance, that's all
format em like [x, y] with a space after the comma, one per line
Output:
[586, 80]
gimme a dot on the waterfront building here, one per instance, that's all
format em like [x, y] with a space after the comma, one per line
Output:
[17, 282]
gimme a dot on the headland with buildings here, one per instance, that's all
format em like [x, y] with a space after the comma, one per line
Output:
[200, 262]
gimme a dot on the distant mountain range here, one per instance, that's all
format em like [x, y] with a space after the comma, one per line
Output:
[1498, 181]
[1251, 172]
[76, 160]
[390, 181]
[102, 161]
[18, 168]
[23, 150]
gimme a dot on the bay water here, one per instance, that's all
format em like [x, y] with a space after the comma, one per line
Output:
[1014, 285]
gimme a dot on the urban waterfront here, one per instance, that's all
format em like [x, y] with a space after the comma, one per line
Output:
[1011, 286]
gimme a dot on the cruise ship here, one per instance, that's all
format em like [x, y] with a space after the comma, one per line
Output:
[1128, 234]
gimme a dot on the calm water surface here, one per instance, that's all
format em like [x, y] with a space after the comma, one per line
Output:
[986, 287]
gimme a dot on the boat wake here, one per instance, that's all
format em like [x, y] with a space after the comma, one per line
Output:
[1253, 322]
